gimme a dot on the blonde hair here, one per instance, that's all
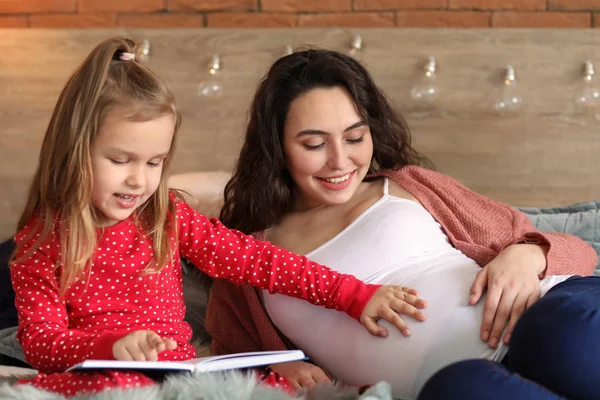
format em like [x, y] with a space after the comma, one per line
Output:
[61, 191]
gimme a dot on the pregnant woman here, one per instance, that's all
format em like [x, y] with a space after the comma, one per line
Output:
[327, 170]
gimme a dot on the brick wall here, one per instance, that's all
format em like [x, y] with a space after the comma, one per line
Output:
[299, 13]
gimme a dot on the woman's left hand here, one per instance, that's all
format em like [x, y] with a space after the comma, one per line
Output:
[512, 283]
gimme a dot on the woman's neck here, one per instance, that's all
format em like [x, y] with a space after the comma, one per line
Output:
[304, 204]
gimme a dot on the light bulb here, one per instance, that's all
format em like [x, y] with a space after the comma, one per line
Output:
[426, 90]
[587, 97]
[211, 85]
[355, 46]
[510, 102]
[143, 51]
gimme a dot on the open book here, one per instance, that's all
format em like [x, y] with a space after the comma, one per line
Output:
[202, 364]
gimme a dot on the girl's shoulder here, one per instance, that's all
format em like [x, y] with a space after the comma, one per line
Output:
[178, 203]
[183, 210]
[36, 225]
[38, 231]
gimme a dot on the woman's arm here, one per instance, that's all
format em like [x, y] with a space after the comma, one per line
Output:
[237, 321]
[503, 241]
[481, 227]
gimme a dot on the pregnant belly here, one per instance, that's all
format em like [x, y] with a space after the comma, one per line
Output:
[341, 345]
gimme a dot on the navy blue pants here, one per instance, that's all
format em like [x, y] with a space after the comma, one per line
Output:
[554, 353]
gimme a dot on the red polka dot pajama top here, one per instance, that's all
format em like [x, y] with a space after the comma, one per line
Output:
[117, 297]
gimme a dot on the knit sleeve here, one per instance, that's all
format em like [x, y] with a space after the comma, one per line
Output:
[237, 322]
[229, 254]
[567, 254]
[481, 227]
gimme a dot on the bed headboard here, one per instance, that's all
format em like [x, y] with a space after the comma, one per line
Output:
[545, 157]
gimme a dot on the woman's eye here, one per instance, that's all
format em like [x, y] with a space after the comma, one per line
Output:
[357, 140]
[314, 147]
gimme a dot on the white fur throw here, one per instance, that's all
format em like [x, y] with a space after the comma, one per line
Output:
[213, 386]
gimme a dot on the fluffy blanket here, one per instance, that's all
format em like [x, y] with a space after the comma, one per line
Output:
[214, 386]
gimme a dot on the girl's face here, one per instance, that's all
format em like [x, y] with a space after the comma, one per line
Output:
[328, 147]
[127, 163]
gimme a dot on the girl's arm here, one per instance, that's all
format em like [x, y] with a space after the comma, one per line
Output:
[229, 254]
[48, 343]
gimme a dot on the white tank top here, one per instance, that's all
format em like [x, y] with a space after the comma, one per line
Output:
[395, 241]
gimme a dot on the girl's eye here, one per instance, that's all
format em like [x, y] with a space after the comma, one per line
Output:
[155, 164]
[118, 162]
[314, 147]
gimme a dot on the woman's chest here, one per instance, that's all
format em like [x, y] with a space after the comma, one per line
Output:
[392, 234]
[302, 234]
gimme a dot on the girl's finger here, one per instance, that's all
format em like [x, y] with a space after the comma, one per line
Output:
[402, 307]
[393, 318]
[372, 327]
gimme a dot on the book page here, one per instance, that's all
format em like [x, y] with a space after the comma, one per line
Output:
[116, 364]
[201, 364]
[247, 360]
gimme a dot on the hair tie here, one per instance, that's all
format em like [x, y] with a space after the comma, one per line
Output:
[126, 56]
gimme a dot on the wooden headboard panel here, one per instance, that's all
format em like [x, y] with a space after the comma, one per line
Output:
[547, 156]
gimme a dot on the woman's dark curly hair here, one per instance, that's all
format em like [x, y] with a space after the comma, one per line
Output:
[261, 190]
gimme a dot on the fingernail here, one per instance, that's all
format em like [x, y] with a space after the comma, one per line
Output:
[507, 341]
[471, 299]
[485, 336]
[494, 343]
[407, 332]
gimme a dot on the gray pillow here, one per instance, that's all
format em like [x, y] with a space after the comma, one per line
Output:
[195, 295]
[582, 220]
[9, 346]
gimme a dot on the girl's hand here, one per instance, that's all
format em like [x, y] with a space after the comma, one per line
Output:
[387, 303]
[301, 375]
[512, 284]
[141, 346]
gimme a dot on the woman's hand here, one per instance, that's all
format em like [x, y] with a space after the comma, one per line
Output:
[512, 283]
[301, 375]
[141, 346]
[387, 303]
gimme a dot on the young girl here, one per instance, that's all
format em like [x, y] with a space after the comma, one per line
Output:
[97, 271]
[348, 191]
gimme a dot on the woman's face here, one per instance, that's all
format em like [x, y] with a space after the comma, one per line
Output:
[328, 147]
